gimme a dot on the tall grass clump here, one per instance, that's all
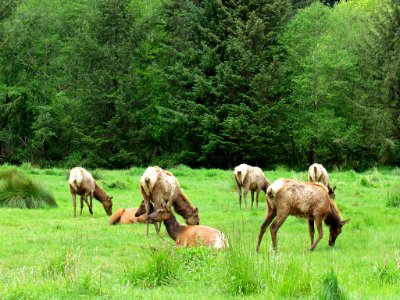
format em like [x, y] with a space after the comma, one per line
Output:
[160, 268]
[243, 269]
[388, 272]
[19, 191]
[393, 197]
[65, 265]
[330, 287]
[372, 179]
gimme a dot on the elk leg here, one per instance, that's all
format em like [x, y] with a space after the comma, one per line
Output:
[252, 198]
[245, 191]
[91, 203]
[147, 205]
[82, 204]
[270, 216]
[239, 191]
[74, 204]
[257, 194]
[318, 222]
[87, 203]
[275, 227]
[311, 230]
[157, 227]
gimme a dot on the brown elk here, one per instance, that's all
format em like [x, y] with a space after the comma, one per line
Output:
[188, 236]
[186, 209]
[250, 178]
[307, 200]
[181, 205]
[81, 183]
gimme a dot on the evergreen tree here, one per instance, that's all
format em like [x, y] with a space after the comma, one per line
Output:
[221, 79]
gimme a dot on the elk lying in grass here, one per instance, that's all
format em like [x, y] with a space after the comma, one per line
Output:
[317, 173]
[307, 200]
[127, 215]
[81, 183]
[188, 236]
[250, 178]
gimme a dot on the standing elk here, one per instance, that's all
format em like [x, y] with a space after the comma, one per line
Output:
[81, 183]
[250, 178]
[301, 199]
[157, 185]
[317, 173]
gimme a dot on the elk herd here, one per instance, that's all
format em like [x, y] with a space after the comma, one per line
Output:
[160, 190]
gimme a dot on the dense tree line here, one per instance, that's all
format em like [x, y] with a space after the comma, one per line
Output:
[116, 83]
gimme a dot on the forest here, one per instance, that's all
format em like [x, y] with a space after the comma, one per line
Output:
[207, 84]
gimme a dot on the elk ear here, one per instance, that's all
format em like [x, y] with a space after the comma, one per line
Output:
[344, 222]
[111, 197]
[334, 188]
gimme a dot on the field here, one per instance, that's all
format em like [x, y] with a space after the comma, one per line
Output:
[45, 253]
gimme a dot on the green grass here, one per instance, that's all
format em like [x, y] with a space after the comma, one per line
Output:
[46, 254]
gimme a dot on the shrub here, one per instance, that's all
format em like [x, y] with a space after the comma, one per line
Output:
[18, 191]
[117, 184]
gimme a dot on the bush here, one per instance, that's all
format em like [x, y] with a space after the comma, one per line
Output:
[18, 191]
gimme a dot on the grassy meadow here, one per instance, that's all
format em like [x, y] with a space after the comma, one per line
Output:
[45, 253]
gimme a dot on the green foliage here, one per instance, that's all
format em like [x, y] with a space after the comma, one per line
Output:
[121, 83]
[19, 191]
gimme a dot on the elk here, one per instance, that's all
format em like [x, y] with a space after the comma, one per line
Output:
[127, 215]
[181, 205]
[317, 173]
[188, 236]
[81, 183]
[186, 209]
[250, 178]
[158, 185]
[301, 199]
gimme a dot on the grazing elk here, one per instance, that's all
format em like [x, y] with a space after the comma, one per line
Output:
[186, 209]
[317, 173]
[301, 199]
[181, 205]
[188, 236]
[157, 185]
[250, 178]
[81, 183]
